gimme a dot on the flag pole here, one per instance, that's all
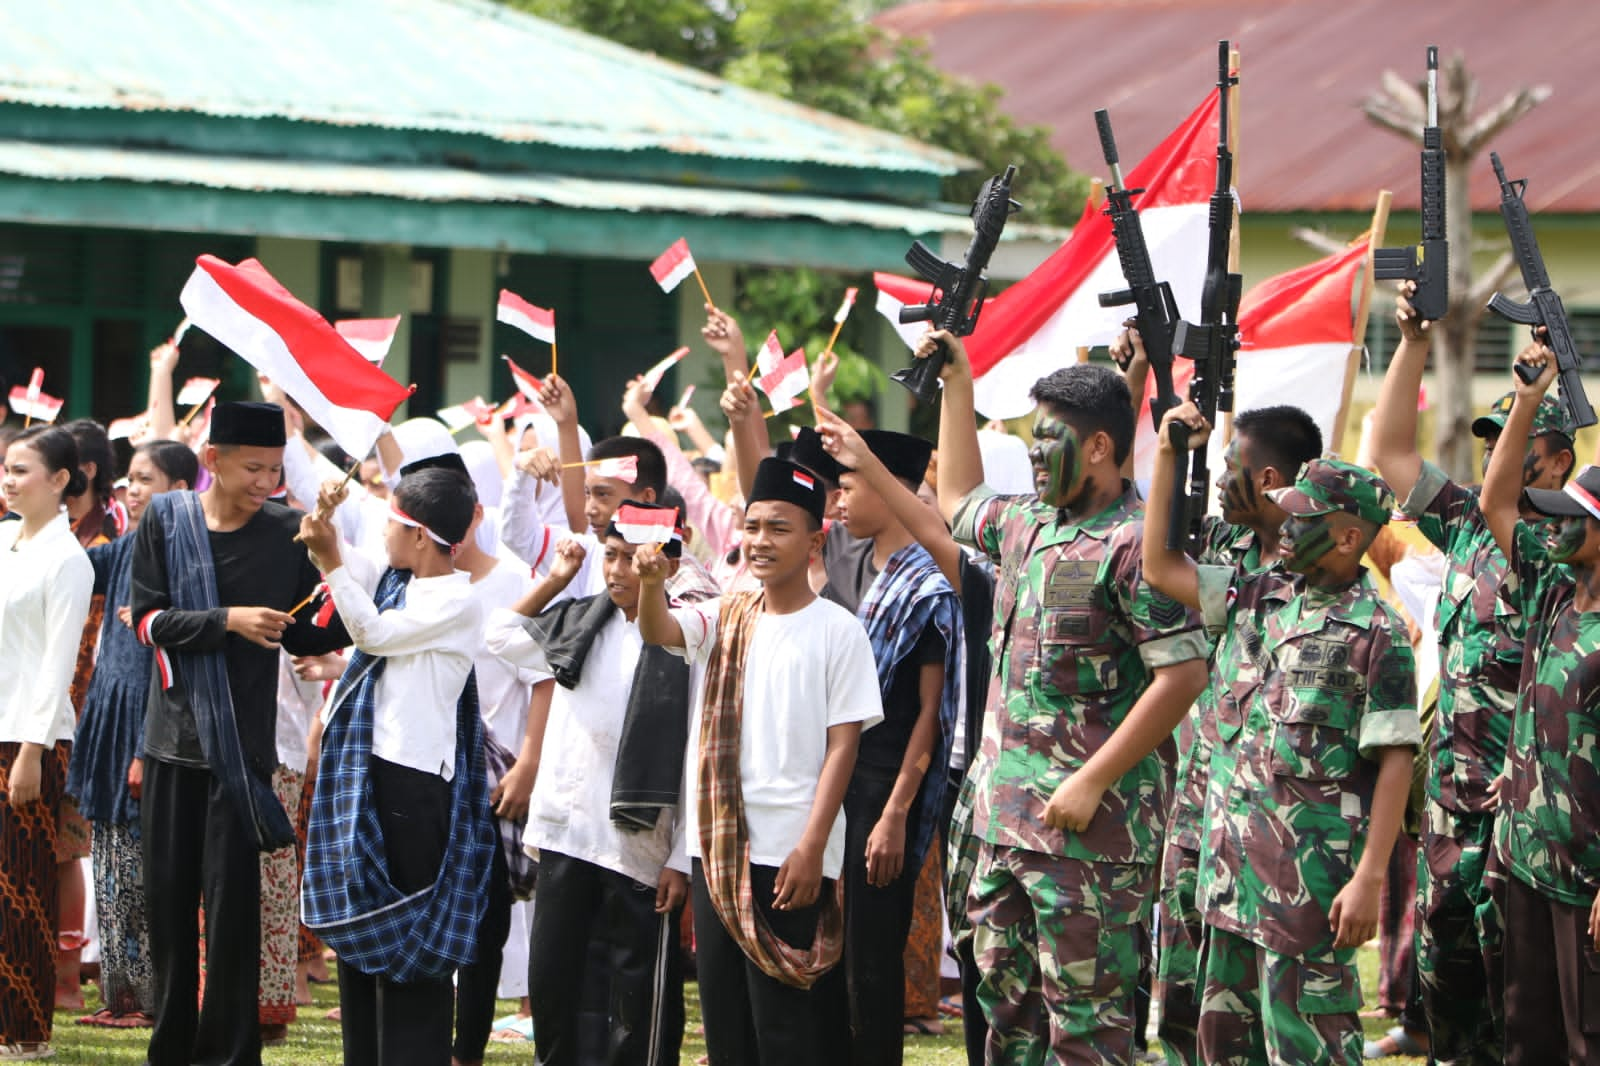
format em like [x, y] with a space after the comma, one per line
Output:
[703, 290]
[296, 608]
[1380, 223]
[553, 372]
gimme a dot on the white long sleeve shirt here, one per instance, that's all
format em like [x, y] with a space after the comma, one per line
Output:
[570, 810]
[45, 587]
[429, 644]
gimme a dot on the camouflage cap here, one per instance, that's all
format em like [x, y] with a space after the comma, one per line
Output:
[1327, 486]
[1551, 417]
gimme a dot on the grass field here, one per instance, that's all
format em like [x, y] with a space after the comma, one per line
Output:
[314, 1041]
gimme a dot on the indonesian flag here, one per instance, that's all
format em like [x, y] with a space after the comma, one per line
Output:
[770, 355]
[1033, 327]
[623, 468]
[246, 309]
[372, 337]
[1296, 333]
[526, 383]
[130, 429]
[673, 265]
[652, 377]
[31, 401]
[518, 406]
[647, 525]
[683, 401]
[536, 322]
[844, 308]
[787, 381]
[462, 415]
[196, 391]
[894, 292]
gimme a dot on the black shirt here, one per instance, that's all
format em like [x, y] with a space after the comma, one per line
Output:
[257, 565]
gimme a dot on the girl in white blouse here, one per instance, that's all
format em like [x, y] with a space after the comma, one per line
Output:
[45, 584]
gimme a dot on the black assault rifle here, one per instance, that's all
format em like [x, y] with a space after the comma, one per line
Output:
[1544, 306]
[1154, 306]
[1426, 263]
[958, 289]
[1212, 343]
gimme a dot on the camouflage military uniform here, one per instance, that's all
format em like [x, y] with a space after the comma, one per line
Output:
[1478, 661]
[1058, 918]
[1547, 835]
[1313, 684]
[1180, 925]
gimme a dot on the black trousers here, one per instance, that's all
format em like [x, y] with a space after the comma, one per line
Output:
[579, 902]
[1552, 994]
[389, 1023]
[869, 986]
[479, 980]
[198, 849]
[752, 1019]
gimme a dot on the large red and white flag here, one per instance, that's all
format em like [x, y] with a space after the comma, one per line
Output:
[537, 322]
[246, 309]
[1035, 326]
[785, 383]
[372, 337]
[1296, 333]
[673, 265]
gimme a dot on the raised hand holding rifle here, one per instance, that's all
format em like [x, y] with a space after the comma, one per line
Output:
[958, 290]
[1213, 343]
[1543, 310]
[1155, 308]
[1428, 262]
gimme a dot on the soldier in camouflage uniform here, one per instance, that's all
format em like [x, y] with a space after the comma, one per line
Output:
[1316, 726]
[1068, 794]
[1547, 836]
[1269, 447]
[1480, 654]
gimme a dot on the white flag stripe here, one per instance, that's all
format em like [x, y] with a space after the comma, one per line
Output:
[910, 332]
[355, 429]
[1176, 236]
[647, 532]
[517, 319]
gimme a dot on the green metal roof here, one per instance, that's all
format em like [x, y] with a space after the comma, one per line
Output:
[442, 206]
[461, 67]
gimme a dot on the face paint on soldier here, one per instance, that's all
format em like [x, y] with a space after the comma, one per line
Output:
[1057, 460]
[1533, 468]
[1305, 541]
[1236, 486]
[1565, 538]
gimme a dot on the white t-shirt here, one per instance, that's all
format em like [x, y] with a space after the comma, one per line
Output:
[806, 671]
[570, 810]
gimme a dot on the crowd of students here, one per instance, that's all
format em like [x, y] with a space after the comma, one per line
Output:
[282, 707]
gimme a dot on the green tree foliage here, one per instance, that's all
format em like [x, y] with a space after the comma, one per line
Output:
[827, 55]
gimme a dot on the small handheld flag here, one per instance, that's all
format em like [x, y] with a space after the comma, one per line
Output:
[647, 525]
[518, 406]
[683, 401]
[840, 315]
[470, 413]
[30, 401]
[653, 376]
[372, 337]
[770, 355]
[675, 264]
[196, 391]
[128, 428]
[537, 322]
[526, 383]
[787, 381]
[623, 467]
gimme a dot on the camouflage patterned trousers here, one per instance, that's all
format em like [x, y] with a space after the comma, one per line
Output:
[1059, 944]
[1178, 955]
[1258, 1006]
[1452, 938]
